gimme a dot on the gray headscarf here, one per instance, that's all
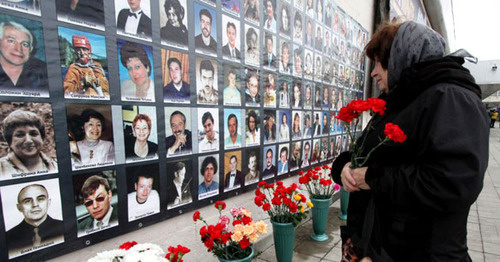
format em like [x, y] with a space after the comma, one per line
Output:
[413, 43]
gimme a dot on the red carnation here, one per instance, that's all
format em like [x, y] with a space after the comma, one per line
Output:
[246, 220]
[258, 201]
[377, 105]
[244, 243]
[196, 216]
[220, 205]
[266, 207]
[394, 133]
[276, 201]
[293, 207]
[127, 245]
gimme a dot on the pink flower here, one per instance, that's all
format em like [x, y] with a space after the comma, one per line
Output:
[224, 220]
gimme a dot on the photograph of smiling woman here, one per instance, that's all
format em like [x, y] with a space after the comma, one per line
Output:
[136, 71]
[29, 137]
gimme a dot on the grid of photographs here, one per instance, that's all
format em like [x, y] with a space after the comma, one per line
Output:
[163, 117]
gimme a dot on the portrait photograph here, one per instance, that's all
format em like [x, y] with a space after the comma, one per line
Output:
[207, 92]
[324, 149]
[285, 20]
[298, 64]
[231, 44]
[299, 4]
[175, 77]
[33, 216]
[25, 6]
[297, 126]
[309, 34]
[252, 127]
[308, 64]
[295, 160]
[209, 176]
[180, 182]
[306, 153]
[140, 133]
[318, 98]
[233, 177]
[251, 10]
[333, 98]
[96, 201]
[231, 94]
[133, 19]
[269, 83]
[283, 150]
[317, 124]
[233, 128]
[24, 74]
[309, 125]
[308, 90]
[327, 70]
[333, 123]
[325, 102]
[178, 131]
[297, 94]
[208, 129]
[319, 10]
[269, 169]
[173, 23]
[270, 12]
[205, 30]
[231, 6]
[90, 134]
[269, 55]
[284, 125]
[316, 151]
[284, 83]
[252, 89]
[285, 63]
[84, 64]
[135, 64]
[345, 145]
[27, 144]
[298, 27]
[269, 127]
[143, 185]
[88, 13]
[252, 46]
[318, 67]
[251, 166]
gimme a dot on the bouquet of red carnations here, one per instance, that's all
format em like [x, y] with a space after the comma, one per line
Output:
[318, 182]
[283, 204]
[227, 244]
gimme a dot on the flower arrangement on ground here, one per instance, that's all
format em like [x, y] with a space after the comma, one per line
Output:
[318, 182]
[131, 251]
[227, 244]
[283, 204]
[351, 112]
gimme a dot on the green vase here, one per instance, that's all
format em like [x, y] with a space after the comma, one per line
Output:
[245, 259]
[320, 217]
[344, 202]
[284, 240]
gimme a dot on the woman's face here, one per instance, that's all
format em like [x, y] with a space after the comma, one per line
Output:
[380, 74]
[284, 18]
[173, 19]
[283, 119]
[141, 130]
[26, 141]
[296, 122]
[137, 72]
[93, 129]
[296, 93]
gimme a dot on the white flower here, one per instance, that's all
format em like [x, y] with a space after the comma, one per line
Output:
[108, 256]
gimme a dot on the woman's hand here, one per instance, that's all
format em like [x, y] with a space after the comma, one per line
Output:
[354, 179]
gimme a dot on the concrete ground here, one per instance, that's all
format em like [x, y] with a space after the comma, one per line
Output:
[483, 227]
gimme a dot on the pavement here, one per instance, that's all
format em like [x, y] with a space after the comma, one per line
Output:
[483, 227]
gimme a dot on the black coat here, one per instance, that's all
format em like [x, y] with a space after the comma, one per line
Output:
[423, 188]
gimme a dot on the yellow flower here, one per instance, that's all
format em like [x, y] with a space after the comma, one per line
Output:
[237, 236]
[309, 204]
[248, 230]
[246, 213]
[261, 227]
[297, 197]
[238, 227]
[253, 237]
[302, 210]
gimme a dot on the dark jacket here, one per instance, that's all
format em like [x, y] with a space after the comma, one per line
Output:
[144, 27]
[238, 180]
[423, 187]
[21, 236]
[226, 51]
[200, 45]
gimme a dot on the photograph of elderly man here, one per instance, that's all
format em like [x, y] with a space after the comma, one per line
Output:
[96, 208]
[23, 71]
[32, 216]
[179, 141]
[143, 185]
[28, 133]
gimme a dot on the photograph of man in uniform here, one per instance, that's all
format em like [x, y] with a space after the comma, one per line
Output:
[175, 77]
[295, 155]
[208, 171]
[175, 31]
[231, 92]
[23, 71]
[28, 145]
[269, 170]
[234, 178]
[207, 92]
[134, 18]
[180, 183]
[283, 159]
[89, 13]
[96, 209]
[205, 35]
[232, 130]
[252, 129]
[269, 55]
[231, 50]
[83, 77]
[143, 198]
[38, 222]
[207, 128]
[179, 141]
[252, 174]
[252, 96]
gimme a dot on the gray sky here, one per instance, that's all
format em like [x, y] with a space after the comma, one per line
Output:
[476, 27]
